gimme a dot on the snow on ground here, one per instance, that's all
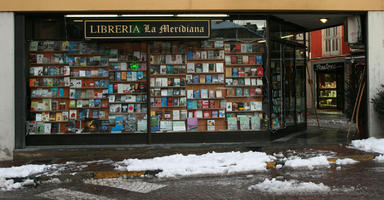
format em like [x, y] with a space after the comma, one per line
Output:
[19, 172]
[371, 145]
[380, 158]
[345, 161]
[310, 163]
[289, 187]
[210, 163]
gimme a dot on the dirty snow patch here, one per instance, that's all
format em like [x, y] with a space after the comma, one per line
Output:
[210, 163]
[289, 187]
[370, 145]
[345, 161]
[310, 163]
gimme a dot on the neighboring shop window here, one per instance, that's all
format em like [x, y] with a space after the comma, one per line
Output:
[331, 42]
[201, 85]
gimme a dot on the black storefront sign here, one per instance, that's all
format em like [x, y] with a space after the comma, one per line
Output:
[141, 29]
[329, 66]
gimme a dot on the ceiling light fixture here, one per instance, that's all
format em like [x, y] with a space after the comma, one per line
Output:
[98, 15]
[147, 15]
[202, 15]
[324, 20]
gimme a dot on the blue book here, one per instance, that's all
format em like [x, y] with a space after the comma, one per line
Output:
[259, 60]
[61, 92]
[163, 101]
[192, 104]
[208, 78]
[155, 123]
[110, 88]
[119, 121]
[196, 94]
[195, 79]
[190, 54]
[140, 75]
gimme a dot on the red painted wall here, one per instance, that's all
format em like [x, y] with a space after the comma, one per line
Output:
[316, 47]
[344, 47]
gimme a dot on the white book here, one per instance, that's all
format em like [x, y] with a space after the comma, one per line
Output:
[219, 94]
[47, 127]
[191, 68]
[229, 106]
[190, 94]
[176, 115]
[123, 66]
[152, 82]
[259, 82]
[38, 117]
[227, 60]
[247, 81]
[164, 92]
[205, 67]
[179, 126]
[253, 81]
[219, 67]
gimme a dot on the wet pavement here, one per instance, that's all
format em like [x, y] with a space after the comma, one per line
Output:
[363, 180]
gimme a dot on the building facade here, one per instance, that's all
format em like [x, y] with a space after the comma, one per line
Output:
[42, 39]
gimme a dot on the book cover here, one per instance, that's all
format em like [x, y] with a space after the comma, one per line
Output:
[255, 123]
[259, 71]
[155, 123]
[191, 68]
[192, 124]
[178, 125]
[215, 114]
[229, 106]
[244, 123]
[206, 114]
[232, 123]
[208, 78]
[195, 78]
[219, 94]
[211, 125]
[176, 115]
[204, 93]
[211, 94]
[239, 92]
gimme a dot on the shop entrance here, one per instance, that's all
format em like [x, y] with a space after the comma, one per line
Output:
[330, 86]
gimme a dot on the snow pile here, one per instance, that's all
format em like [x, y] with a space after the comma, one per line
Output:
[380, 158]
[19, 172]
[370, 145]
[210, 163]
[289, 187]
[345, 161]
[310, 163]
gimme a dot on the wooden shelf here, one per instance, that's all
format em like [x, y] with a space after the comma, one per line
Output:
[202, 60]
[162, 75]
[156, 107]
[127, 102]
[167, 53]
[49, 97]
[205, 49]
[241, 65]
[37, 111]
[50, 76]
[168, 64]
[256, 86]
[206, 99]
[89, 66]
[89, 108]
[131, 70]
[47, 64]
[196, 73]
[87, 98]
[127, 113]
[206, 109]
[243, 77]
[51, 51]
[168, 87]
[205, 84]
[86, 88]
[135, 93]
[86, 55]
[158, 96]
[209, 118]
[127, 61]
[259, 95]
[243, 53]
[122, 81]
[49, 86]
[87, 77]
[248, 111]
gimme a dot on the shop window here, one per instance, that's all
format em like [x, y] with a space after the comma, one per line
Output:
[151, 86]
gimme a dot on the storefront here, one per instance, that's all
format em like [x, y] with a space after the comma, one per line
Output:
[125, 80]
[330, 85]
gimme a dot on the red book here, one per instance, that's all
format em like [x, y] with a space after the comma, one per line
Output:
[233, 59]
[205, 103]
[169, 101]
[241, 72]
[259, 72]
[114, 88]
[206, 114]
[252, 92]
[252, 60]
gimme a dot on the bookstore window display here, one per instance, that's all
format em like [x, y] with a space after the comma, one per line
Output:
[166, 86]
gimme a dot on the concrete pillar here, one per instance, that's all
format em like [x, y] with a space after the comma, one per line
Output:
[375, 69]
[7, 89]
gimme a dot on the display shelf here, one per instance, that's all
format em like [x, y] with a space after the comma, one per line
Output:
[203, 60]
[90, 108]
[123, 81]
[210, 118]
[49, 86]
[87, 88]
[205, 109]
[241, 65]
[243, 77]
[38, 111]
[49, 97]
[243, 53]
[134, 93]
[166, 75]
[50, 51]
[168, 87]
[250, 86]
[169, 64]
[127, 102]
[127, 61]
[158, 96]
[87, 77]
[126, 113]
[205, 98]
[50, 76]
[247, 111]
[167, 53]
[131, 70]
[158, 107]
[196, 73]
[259, 95]
[205, 49]
[89, 66]
[206, 84]
[86, 55]
[87, 98]
[47, 64]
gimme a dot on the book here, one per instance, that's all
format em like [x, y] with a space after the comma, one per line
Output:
[178, 125]
[166, 126]
[206, 114]
[142, 125]
[229, 106]
[255, 123]
[190, 67]
[192, 124]
[204, 93]
[211, 125]
[205, 67]
[220, 67]
[232, 123]
[155, 123]
[219, 94]
[198, 114]
[176, 115]
[244, 123]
